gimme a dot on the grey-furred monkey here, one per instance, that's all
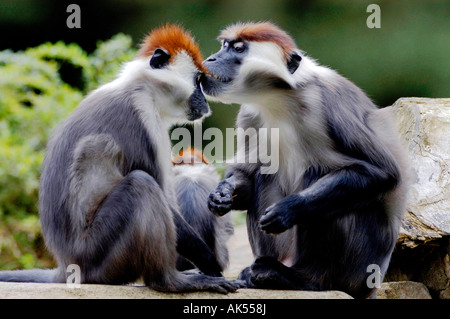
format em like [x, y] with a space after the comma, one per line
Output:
[194, 179]
[106, 198]
[337, 199]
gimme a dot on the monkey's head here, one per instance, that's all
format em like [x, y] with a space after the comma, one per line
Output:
[176, 67]
[254, 58]
[190, 156]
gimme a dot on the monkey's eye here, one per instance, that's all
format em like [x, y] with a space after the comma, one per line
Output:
[159, 59]
[239, 47]
[225, 44]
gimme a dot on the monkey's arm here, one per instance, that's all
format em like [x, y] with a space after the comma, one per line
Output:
[332, 194]
[234, 192]
[193, 248]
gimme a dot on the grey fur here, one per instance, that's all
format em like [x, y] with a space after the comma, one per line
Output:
[193, 183]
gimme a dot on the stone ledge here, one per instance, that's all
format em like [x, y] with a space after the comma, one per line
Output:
[9, 290]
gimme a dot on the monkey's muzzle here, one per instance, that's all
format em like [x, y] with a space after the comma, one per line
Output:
[198, 106]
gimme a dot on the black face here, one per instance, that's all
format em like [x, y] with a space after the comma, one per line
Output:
[223, 66]
[198, 106]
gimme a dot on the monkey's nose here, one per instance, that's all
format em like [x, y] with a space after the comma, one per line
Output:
[210, 60]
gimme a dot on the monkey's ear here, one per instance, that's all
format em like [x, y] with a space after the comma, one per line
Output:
[159, 59]
[294, 62]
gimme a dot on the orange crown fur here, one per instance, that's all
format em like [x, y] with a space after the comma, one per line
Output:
[260, 32]
[191, 156]
[173, 39]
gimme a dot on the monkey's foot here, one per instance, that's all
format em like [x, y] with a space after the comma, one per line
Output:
[269, 273]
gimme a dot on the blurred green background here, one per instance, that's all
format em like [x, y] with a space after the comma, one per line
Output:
[42, 80]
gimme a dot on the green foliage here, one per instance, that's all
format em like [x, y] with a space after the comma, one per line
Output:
[108, 56]
[39, 87]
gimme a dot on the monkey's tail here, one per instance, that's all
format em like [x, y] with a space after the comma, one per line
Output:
[30, 275]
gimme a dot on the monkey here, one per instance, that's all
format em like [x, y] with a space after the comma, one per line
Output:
[194, 179]
[106, 196]
[335, 203]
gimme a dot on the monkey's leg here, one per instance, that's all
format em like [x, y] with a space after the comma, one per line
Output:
[192, 247]
[133, 234]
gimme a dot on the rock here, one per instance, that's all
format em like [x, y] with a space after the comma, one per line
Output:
[422, 252]
[403, 290]
[425, 125]
[9, 290]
